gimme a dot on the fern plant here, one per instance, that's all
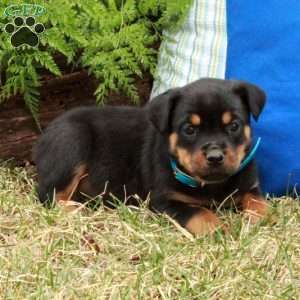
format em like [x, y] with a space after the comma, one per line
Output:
[112, 39]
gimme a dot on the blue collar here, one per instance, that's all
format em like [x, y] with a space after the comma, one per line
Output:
[192, 182]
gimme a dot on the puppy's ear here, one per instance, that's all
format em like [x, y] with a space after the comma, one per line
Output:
[160, 109]
[252, 95]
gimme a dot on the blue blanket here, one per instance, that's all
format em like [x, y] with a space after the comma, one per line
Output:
[264, 48]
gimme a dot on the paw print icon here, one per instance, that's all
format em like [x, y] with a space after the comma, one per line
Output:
[24, 31]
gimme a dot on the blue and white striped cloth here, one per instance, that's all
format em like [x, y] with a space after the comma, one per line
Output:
[197, 50]
[256, 41]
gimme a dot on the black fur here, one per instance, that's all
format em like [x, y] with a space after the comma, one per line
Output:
[130, 147]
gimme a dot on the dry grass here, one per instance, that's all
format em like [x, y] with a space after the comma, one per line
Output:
[130, 253]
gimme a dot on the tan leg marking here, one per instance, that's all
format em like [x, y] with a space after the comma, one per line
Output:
[64, 198]
[195, 119]
[203, 222]
[226, 117]
[254, 207]
[85, 188]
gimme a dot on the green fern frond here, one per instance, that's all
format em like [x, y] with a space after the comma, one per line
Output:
[111, 38]
[54, 39]
[31, 99]
[47, 61]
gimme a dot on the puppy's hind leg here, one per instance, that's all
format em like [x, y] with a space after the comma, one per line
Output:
[61, 157]
[64, 197]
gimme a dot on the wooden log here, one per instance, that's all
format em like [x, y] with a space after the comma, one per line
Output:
[18, 132]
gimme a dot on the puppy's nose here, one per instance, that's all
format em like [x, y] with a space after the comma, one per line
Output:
[215, 157]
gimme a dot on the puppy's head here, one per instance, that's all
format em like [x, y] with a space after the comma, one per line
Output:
[207, 124]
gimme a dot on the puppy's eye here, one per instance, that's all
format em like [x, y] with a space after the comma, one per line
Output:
[233, 126]
[189, 129]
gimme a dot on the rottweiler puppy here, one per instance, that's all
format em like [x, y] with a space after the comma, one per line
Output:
[190, 148]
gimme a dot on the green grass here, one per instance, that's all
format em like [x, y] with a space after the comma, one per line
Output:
[130, 253]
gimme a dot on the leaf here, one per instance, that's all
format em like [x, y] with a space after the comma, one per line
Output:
[111, 38]
[47, 61]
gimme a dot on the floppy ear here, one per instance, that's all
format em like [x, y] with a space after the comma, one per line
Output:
[252, 95]
[160, 109]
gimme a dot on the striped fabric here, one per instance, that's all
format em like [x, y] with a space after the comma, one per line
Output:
[197, 50]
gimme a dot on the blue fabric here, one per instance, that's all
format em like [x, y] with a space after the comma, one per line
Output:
[264, 48]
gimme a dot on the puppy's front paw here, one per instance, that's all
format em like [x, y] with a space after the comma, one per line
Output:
[254, 207]
[204, 222]
[72, 207]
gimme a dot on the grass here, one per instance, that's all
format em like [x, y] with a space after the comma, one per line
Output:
[130, 253]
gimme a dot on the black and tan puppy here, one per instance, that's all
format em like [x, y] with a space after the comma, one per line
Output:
[186, 147]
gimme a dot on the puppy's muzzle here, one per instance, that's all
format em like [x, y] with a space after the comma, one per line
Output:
[214, 157]
[214, 154]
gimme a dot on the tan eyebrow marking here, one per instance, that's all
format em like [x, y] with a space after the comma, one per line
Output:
[195, 119]
[226, 117]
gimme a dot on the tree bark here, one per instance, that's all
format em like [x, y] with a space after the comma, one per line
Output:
[18, 131]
